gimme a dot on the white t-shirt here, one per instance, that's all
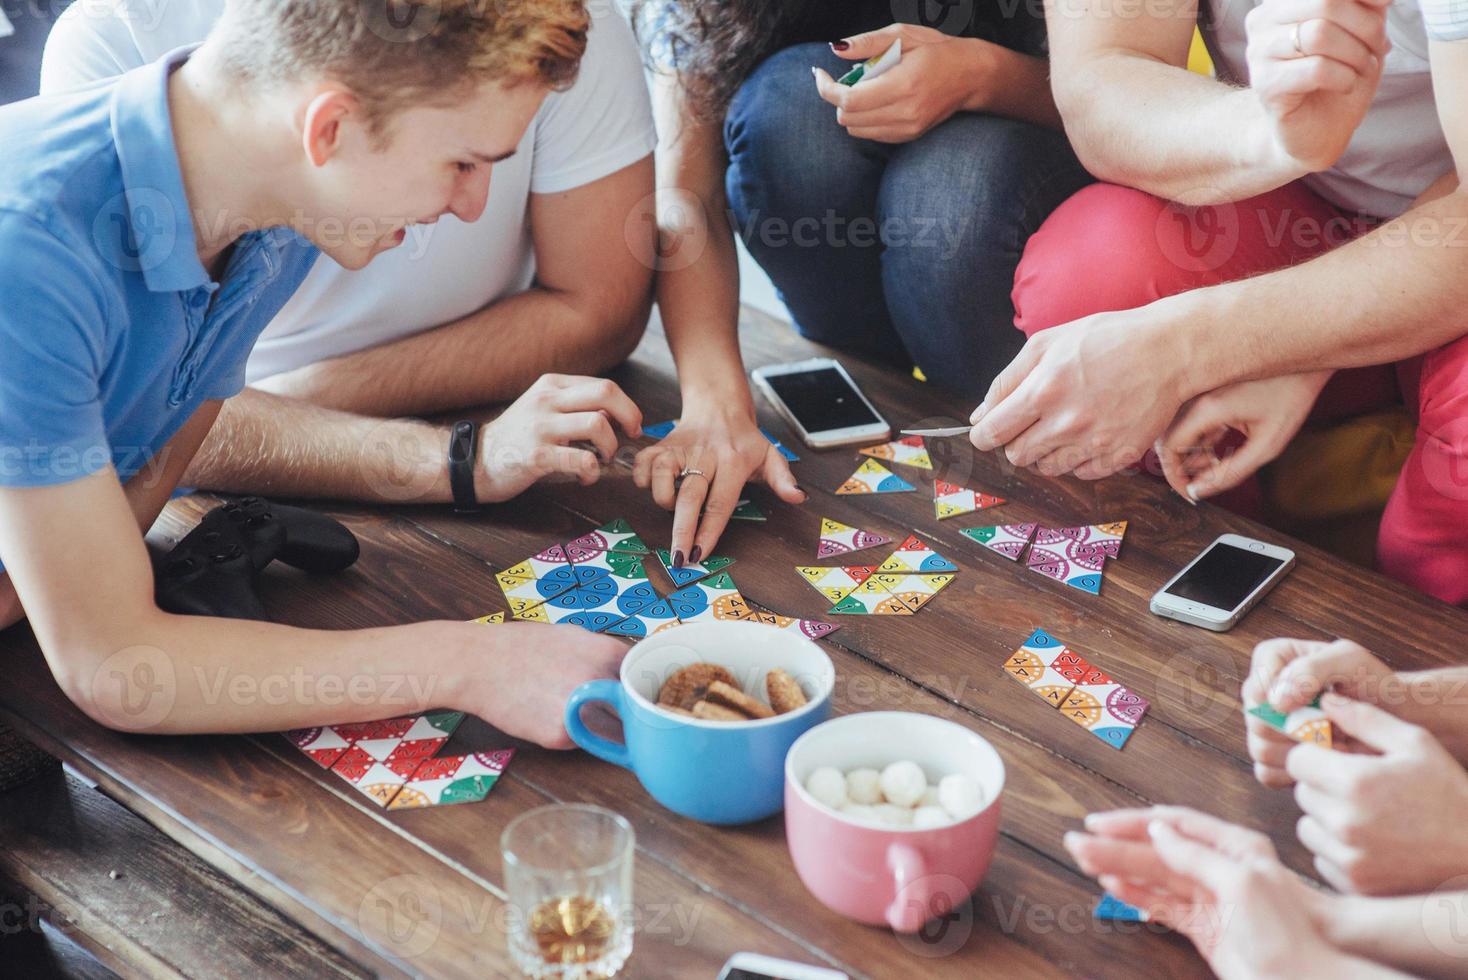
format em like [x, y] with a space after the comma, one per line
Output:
[441, 272]
[1399, 148]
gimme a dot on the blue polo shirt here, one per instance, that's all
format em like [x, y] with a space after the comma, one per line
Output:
[111, 332]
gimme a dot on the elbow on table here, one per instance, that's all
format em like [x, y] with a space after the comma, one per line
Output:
[127, 687]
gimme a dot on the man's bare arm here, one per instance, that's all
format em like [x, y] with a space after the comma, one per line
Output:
[585, 314]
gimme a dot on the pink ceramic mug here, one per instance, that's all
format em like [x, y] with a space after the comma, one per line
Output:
[872, 872]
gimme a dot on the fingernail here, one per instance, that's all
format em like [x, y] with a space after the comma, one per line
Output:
[1072, 838]
[812, 71]
[695, 554]
[1156, 828]
[1091, 821]
[677, 559]
[840, 45]
[1191, 493]
[978, 413]
[1330, 699]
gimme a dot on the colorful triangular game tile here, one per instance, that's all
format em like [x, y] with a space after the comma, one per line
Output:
[842, 539]
[907, 451]
[1307, 724]
[1005, 540]
[913, 591]
[1103, 707]
[323, 745]
[715, 597]
[835, 583]
[748, 510]
[526, 593]
[950, 500]
[871, 599]
[1076, 555]
[691, 571]
[614, 536]
[369, 775]
[617, 564]
[914, 556]
[872, 477]
[590, 608]
[651, 619]
[812, 628]
[1111, 907]
[453, 779]
[1037, 664]
[493, 619]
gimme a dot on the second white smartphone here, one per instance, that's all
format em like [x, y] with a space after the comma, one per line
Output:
[1223, 583]
[821, 401]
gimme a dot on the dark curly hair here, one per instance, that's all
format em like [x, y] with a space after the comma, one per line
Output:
[713, 45]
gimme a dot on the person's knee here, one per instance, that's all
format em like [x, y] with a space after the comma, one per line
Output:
[1098, 251]
[786, 152]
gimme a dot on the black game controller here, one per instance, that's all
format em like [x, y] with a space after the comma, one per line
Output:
[212, 571]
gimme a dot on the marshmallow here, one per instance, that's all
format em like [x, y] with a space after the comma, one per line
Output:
[927, 817]
[960, 796]
[891, 813]
[930, 797]
[828, 786]
[864, 786]
[903, 783]
[859, 811]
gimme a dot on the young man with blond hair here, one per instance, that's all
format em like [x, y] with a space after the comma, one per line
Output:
[150, 227]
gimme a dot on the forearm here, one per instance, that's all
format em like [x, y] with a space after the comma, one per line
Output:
[1018, 86]
[1157, 127]
[1391, 294]
[276, 446]
[186, 674]
[1419, 935]
[490, 356]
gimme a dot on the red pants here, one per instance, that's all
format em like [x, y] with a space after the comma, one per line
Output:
[1113, 248]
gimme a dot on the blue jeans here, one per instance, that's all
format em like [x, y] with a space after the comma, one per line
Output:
[904, 251]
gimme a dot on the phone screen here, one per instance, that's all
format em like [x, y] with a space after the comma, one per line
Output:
[822, 399]
[1224, 576]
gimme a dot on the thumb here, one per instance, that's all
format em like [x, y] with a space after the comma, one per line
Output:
[860, 47]
[1009, 379]
[1367, 723]
[779, 478]
[1191, 859]
[1187, 434]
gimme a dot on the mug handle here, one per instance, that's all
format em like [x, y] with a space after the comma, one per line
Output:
[913, 901]
[610, 692]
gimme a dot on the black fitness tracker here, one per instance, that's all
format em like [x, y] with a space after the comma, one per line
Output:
[463, 448]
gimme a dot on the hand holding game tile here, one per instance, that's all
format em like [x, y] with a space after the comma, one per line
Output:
[1288, 674]
[938, 75]
[1219, 884]
[1385, 823]
[727, 449]
[537, 435]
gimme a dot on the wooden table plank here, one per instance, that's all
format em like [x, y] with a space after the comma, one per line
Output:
[312, 847]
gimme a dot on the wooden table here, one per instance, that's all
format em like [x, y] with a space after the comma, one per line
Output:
[420, 892]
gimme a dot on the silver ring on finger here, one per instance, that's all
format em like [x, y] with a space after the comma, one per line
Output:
[1295, 38]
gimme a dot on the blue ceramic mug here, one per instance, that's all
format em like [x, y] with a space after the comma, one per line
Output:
[717, 772]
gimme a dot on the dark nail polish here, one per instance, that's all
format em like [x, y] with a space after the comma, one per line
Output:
[677, 559]
[840, 45]
[694, 555]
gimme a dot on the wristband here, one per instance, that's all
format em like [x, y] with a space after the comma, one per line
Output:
[463, 448]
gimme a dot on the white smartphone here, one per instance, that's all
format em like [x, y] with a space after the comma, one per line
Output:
[1223, 583]
[753, 966]
[821, 401]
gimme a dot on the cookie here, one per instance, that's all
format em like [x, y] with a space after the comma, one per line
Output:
[785, 694]
[687, 687]
[709, 711]
[731, 697]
